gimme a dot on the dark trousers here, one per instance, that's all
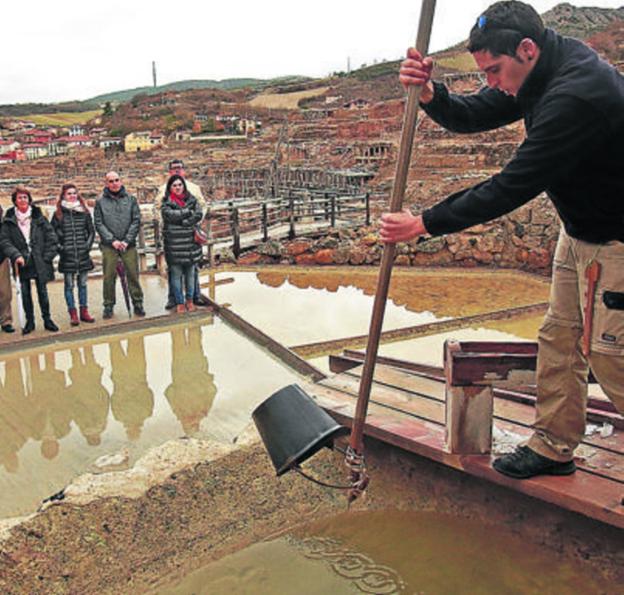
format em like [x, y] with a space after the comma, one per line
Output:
[27, 301]
[130, 261]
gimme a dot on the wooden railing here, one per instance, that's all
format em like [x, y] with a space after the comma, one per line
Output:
[243, 224]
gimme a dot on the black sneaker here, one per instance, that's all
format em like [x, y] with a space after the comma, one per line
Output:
[138, 310]
[8, 328]
[170, 305]
[48, 325]
[107, 313]
[525, 463]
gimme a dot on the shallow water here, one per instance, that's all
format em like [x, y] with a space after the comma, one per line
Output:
[305, 307]
[388, 552]
[60, 411]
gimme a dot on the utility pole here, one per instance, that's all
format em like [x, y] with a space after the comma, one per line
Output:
[154, 72]
[348, 64]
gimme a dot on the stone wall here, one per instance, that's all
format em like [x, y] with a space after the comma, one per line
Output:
[525, 240]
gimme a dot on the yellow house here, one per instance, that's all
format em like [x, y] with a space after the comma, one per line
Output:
[137, 141]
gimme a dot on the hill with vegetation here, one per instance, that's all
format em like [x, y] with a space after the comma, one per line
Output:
[602, 28]
[21, 110]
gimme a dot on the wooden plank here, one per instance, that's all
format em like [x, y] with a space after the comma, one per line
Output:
[504, 409]
[523, 394]
[583, 492]
[400, 401]
[262, 339]
[421, 330]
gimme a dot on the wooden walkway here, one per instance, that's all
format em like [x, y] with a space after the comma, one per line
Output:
[407, 410]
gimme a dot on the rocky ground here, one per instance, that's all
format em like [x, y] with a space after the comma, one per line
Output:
[189, 502]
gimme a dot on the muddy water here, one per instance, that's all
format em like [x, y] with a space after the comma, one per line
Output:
[391, 552]
[99, 407]
[305, 307]
[429, 350]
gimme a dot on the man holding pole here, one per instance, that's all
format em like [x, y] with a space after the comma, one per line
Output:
[572, 104]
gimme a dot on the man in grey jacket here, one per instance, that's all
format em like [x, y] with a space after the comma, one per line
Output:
[117, 221]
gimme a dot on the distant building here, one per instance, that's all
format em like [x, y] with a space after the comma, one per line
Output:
[76, 130]
[156, 138]
[7, 146]
[110, 141]
[36, 135]
[13, 156]
[142, 141]
[57, 147]
[182, 135]
[356, 104]
[76, 141]
[36, 150]
[247, 127]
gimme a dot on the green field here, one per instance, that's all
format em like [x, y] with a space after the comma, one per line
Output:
[62, 118]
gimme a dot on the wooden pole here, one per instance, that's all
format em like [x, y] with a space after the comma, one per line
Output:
[398, 192]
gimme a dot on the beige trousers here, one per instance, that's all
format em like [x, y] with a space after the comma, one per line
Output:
[5, 292]
[562, 369]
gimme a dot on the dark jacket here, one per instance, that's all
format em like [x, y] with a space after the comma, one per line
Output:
[2, 254]
[43, 247]
[573, 108]
[117, 217]
[179, 231]
[75, 234]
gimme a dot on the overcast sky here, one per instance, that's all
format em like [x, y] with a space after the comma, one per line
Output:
[70, 49]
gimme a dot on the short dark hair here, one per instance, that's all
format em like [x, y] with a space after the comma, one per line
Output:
[20, 190]
[176, 163]
[502, 27]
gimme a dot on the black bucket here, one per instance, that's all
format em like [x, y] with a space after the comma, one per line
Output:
[293, 427]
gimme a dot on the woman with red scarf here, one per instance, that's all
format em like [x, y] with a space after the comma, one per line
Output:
[181, 213]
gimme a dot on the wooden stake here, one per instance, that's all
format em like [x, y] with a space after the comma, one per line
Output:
[592, 272]
[387, 260]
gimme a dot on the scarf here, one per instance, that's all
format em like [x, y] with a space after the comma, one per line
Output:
[179, 200]
[72, 206]
[23, 223]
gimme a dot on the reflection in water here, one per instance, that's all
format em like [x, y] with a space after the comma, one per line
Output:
[445, 293]
[52, 415]
[132, 401]
[90, 401]
[61, 411]
[192, 389]
[15, 406]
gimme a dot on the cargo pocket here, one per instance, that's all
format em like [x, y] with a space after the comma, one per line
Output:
[563, 307]
[608, 335]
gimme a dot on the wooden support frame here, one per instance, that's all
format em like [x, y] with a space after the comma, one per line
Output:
[472, 371]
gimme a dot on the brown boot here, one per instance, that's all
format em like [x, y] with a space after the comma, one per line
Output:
[73, 317]
[180, 309]
[190, 306]
[84, 315]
